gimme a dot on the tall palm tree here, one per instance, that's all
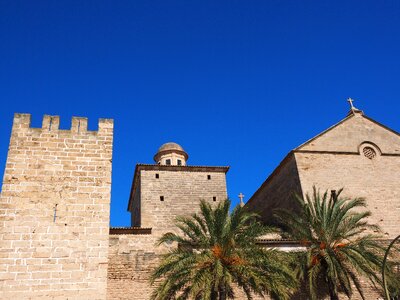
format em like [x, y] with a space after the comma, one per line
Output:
[339, 241]
[217, 251]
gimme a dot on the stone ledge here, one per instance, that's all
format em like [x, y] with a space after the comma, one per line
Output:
[130, 230]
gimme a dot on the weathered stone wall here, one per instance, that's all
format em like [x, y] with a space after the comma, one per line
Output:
[133, 257]
[377, 180]
[131, 260]
[277, 191]
[54, 211]
[361, 156]
[136, 206]
[351, 132]
[182, 192]
[338, 158]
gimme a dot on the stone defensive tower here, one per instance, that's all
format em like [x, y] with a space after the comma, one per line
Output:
[159, 193]
[54, 210]
[171, 188]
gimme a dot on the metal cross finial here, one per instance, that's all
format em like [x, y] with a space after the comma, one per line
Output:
[351, 103]
[241, 196]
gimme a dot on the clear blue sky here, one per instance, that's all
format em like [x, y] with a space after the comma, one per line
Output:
[236, 83]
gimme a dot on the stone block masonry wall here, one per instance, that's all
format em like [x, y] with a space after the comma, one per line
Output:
[54, 211]
[181, 192]
[131, 261]
[133, 257]
[376, 180]
[278, 191]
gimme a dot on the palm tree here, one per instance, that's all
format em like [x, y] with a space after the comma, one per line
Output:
[217, 251]
[340, 245]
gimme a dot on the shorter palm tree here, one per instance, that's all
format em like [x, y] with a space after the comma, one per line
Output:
[217, 251]
[340, 245]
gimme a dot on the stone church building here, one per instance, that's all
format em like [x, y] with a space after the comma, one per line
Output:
[358, 153]
[55, 239]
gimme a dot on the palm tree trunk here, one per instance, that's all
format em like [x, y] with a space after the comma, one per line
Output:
[214, 295]
[222, 293]
[332, 293]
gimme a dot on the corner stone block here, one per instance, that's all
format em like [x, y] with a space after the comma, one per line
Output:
[106, 126]
[79, 125]
[50, 123]
[21, 121]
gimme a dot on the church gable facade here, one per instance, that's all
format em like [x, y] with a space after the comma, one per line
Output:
[351, 134]
[358, 154]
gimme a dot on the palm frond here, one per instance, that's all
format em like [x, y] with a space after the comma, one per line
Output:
[221, 251]
[339, 242]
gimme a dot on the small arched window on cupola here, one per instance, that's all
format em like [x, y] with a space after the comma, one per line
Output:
[369, 150]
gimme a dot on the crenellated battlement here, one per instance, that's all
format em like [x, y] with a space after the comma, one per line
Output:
[55, 210]
[79, 125]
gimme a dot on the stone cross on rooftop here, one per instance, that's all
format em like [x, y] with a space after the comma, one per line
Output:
[241, 196]
[351, 103]
[353, 109]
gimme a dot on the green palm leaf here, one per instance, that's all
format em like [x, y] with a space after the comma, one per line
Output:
[218, 254]
[340, 245]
